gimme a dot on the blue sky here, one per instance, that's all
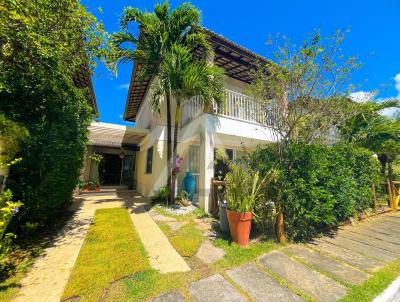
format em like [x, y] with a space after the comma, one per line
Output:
[374, 36]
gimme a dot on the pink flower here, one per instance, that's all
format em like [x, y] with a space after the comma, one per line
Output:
[178, 163]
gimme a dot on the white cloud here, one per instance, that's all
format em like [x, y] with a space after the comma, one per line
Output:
[390, 112]
[361, 96]
[397, 86]
[124, 86]
[365, 96]
[393, 111]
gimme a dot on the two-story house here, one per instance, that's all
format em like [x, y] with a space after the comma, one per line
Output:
[201, 133]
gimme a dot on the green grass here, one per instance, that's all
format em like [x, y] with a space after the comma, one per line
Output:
[186, 240]
[236, 255]
[375, 284]
[150, 283]
[112, 250]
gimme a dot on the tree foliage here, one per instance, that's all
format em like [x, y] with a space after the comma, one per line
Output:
[43, 45]
[378, 133]
[306, 87]
[12, 136]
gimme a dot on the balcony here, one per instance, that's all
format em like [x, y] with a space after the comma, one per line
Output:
[237, 106]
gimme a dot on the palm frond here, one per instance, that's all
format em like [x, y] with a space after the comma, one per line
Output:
[162, 11]
[119, 38]
[156, 92]
[131, 14]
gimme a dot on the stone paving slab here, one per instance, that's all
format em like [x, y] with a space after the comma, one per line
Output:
[317, 285]
[386, 222]
[208, 253]
[348, 256]
[388, 226]
[260, 286]
[362, 248]
[378, 243]
[174, 296]
[159, 217]
[214, 288]
[378, 235]
[176, 225]
[395, 218]
[327, 264]
[380, 227]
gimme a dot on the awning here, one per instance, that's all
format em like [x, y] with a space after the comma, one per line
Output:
[115, 136]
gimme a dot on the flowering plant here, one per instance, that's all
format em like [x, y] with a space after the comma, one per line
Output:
[178, 163]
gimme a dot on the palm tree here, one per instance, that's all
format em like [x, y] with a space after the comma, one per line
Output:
[159, 31]
[187, 77]
[371, 130]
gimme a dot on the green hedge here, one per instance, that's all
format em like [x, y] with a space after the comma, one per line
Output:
[319, 186]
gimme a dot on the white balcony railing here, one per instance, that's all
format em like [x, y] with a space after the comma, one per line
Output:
[190, 109]
[238, 106]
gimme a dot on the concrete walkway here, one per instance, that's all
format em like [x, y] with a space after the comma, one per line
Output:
[161, 254]
[47, 278]
[323, 270]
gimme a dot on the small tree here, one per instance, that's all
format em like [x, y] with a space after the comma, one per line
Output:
[305, 91]
[186, 77]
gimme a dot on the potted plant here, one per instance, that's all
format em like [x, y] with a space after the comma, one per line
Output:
[91, 185]
[243, 189]
[86, 187]
[97, 186]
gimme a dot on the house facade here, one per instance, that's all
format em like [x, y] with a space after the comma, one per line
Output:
[242, 124]
[135, 157]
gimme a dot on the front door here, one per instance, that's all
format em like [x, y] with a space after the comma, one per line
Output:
[128, 167]
[110, 170]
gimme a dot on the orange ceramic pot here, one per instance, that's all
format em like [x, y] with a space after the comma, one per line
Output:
[240, 226]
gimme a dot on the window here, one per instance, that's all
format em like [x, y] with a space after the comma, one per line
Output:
[149, 160]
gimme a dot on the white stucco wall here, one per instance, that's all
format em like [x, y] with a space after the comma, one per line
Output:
[147, 183]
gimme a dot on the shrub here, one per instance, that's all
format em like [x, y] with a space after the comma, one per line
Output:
[319, 186]
[161, 195]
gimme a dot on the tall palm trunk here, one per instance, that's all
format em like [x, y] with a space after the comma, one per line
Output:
[169, 145]
[175, 147]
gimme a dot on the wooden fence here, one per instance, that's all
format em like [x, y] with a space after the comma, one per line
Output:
[388, 192]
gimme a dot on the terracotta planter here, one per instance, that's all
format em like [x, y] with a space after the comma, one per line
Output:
[97, 189]
[240, 225]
